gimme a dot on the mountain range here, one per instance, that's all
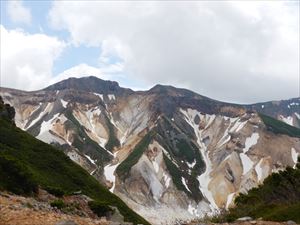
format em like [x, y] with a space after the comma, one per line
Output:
[169, 153]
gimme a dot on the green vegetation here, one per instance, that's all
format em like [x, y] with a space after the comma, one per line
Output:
[84, 142]
[26, 162]
[124, 168]
[279, 127]
[58, 203]
[175, 174]
[113, 141]
[277, 199]
[101, 208]
[185, 150]
[15, 177]
[58, 192]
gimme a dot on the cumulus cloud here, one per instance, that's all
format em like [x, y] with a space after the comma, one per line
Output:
[79, 71]
[18, 13]
[242, 52]
[27, 59]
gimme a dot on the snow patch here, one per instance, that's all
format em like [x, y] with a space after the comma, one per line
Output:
[229, 200]
[204, 178]
[250, 141]
[99, 95]
[64, 103]
[237, 126]
[91, 173]
[90, 159]
[193, 211]
[111, 97]
[298, 116]
[259, 170]
[184, 183]
[46, 110]
[262, 106]
[246, 161]
[167, 179]
[45, 134]
[191, 165]
[109, 171]
[288, 120]
[294, 156]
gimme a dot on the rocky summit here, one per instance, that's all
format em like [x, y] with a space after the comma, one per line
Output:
[169, 153]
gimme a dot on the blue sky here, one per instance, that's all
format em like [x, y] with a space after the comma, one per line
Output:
[232, 51]
[72, 55]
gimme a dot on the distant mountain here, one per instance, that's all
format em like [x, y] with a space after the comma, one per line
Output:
[169, 153]
[26, 163]
[287, 111]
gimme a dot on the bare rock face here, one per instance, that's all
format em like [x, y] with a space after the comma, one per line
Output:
[169, 153]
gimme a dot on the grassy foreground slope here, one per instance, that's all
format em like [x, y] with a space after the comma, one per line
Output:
[277, 199]
[26, 163]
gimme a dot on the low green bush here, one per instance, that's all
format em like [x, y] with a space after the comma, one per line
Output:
[101, 208]
[55, 191]
[58, 203]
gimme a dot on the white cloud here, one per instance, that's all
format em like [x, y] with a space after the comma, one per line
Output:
[232, 51]
[27, 59]
[80, 71]
[18, 13]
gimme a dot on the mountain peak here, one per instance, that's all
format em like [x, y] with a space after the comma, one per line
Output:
[90, 84]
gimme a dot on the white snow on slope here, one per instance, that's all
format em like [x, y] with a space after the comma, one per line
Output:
[64, 103]
[258, 170]
[229, 200]
[250, 141]
[204, 178]
[298, 116]
[294, 156]
[90, 159]
[234, 124]
[46, 110]
[91, 173]
[191, 165]
[237, 126]
[111, 97]
[45, 135]
[184, 183]
[99, 95]
[246, 161]
[88, 120]
[288, 120]
[109, 171]
[167, 179]
[193, 211]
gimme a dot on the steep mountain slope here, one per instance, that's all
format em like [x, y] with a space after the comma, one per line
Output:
[26, 162]
[169, 153]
